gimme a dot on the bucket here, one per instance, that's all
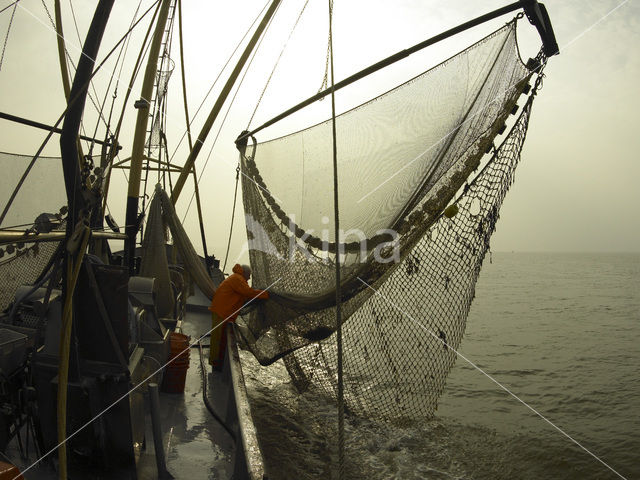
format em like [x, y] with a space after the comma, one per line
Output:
[175, 372]
[179, 345]
[174, 379]
[9, 471]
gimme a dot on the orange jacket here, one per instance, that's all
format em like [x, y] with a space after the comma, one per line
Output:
[232, 294]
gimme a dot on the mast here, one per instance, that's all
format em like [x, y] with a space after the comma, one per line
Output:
[63, 63]
[77, 203]
[63, 59]
[137, 152]
[189, 163]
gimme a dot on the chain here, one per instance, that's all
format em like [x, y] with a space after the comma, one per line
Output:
[6, 37]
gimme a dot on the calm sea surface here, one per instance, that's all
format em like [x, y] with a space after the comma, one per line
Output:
[559, 331]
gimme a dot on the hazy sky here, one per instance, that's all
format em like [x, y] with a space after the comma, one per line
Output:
[576, 187]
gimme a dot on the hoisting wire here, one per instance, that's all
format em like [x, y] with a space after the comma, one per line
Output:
[224, 119]
[196, 189]
[9, 6]
[137, 66]
[105, 162]
[336, 212]
[218, 78]
[93, 87]
[114, 96]
[276, 64]
[61, 117]
[68, 56]
[325, 78]
[6, 37]
[233, 214]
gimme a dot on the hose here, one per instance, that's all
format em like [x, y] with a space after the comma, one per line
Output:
[203, 369]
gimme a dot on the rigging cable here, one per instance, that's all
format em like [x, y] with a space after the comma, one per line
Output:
[233, 214]
[196, 189]
[9, 6]
[93, 87]
[253, 56]
[6, 37]
[107, 159]
[336, 212]
[61, 117]
[284, 47]
[218, 77]
[235, 194]
[134, 76]
[68, 57]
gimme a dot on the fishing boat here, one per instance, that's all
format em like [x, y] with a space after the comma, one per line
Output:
[349, 220]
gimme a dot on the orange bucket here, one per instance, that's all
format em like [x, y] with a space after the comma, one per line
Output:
[9, 471]
[175, 373]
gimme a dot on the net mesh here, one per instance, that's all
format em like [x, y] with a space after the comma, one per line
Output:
[188, 255]
[30, 201]
[22, 263]
[408, 272]
[154, 259]
[402, 342]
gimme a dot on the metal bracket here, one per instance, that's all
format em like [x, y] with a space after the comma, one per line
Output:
[538, 17]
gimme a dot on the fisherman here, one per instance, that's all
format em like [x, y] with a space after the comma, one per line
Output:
[232, 294]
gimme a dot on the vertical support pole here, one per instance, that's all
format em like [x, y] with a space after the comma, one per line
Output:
[137, 151]
[186, 115]
[338, 240]
[76, 202]
[188, 164]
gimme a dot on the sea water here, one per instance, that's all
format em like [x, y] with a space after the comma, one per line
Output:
[549, 387]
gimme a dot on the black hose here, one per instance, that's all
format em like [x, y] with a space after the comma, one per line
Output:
[203, 369]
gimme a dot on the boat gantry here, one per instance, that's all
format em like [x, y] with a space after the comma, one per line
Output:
[104, 330]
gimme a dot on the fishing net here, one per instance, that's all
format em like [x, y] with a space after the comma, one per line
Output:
[407, 271]
[43, 191]
[162, 82]
[401, 343]
[154, 258]
[193, 264]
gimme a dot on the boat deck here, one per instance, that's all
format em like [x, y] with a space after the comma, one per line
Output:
[196, 446]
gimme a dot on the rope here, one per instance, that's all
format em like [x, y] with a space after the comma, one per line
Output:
[9, 6]
[218, 77]
[68, 56]
[125, 104]
[6, 37]
[184, 81]
[233, 214]
[71, 101]
[95, 102]
[336, 212]
[325, 77]
[189, 139]
[276, 64]
[224, 119]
